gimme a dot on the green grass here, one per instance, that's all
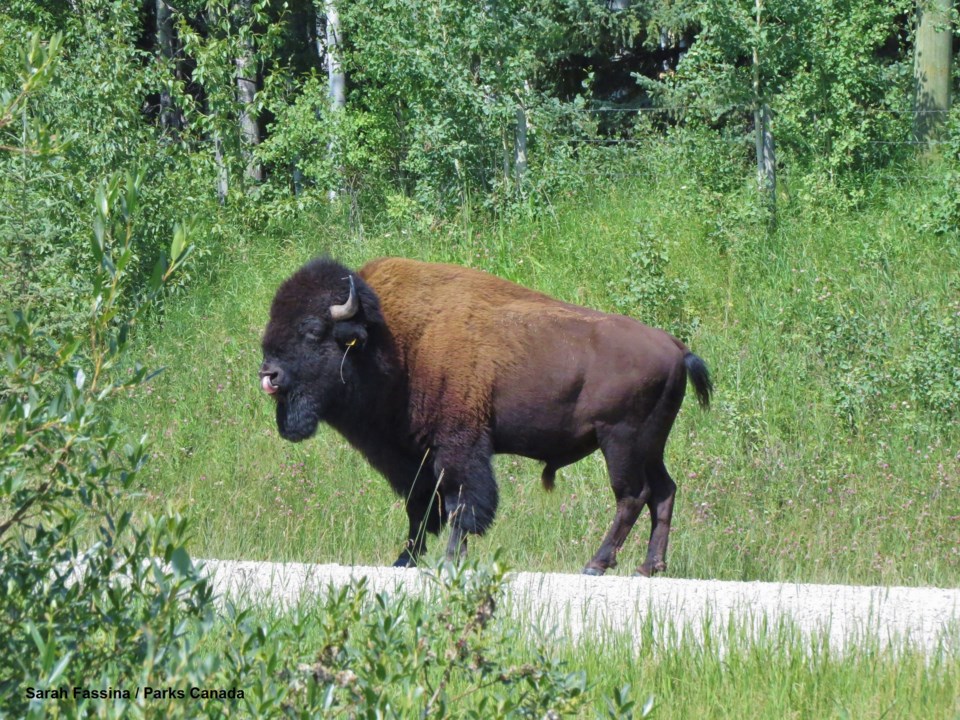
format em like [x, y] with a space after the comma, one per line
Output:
[830, 454]
[774, 674]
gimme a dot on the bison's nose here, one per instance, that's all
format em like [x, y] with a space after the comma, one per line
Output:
[270, 378]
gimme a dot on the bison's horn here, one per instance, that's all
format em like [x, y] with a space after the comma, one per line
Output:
[349, 308]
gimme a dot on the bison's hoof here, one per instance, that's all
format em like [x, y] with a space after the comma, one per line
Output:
[648, 571]
[595, 571]
[405, 560]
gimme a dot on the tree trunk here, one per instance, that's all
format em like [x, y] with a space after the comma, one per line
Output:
[931, 69]
[246, 92]
[766, 160]
[763, 132]
[338, 81]
[335, 75]
[169, 115]
[520, 146]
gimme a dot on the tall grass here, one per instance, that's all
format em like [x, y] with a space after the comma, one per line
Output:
[831, 453]
[736, 672]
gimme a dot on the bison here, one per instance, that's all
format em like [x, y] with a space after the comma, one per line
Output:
[429, 370]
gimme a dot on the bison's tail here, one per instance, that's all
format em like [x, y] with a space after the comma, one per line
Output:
[700, 377]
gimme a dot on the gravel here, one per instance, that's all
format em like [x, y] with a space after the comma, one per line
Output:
[575, 606]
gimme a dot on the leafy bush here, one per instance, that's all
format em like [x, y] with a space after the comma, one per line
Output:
[942, 213]
[647, 293]
[92, 595]
[84, 122]
[931, 371]
[365, 655]
[854, 348]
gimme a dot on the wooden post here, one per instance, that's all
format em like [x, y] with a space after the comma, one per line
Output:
[931, 68]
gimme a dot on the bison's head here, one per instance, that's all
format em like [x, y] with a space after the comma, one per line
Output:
[313, 347]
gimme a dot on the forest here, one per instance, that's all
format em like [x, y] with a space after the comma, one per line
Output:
[775, 182]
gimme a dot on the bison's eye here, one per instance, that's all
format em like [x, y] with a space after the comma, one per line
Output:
[312, 328]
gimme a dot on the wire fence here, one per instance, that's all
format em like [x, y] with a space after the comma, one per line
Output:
[742, 143]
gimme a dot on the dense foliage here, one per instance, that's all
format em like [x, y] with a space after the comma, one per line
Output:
[449, 107]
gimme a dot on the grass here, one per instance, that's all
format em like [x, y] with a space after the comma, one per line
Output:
[830, 454]
[775, 674]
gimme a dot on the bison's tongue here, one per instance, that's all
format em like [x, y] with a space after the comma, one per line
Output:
[267, 385]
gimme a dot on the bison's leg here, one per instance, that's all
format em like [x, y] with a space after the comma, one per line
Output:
[663, 491]
[426, 513]
[470, 492]
[630, 488]
[416, 484]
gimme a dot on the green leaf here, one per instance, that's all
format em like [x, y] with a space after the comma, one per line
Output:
[59, 668]
[102, 205]
[181, 562]
[68, 350]
[99, 232]
[156, 277]
[179, 242]
[123, 259]
[132, 195]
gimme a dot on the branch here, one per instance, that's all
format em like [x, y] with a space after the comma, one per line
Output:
[22, 510]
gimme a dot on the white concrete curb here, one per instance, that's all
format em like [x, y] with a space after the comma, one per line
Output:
[571, 606]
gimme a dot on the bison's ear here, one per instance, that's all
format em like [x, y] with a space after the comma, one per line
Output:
[312, 327]
[350, 333]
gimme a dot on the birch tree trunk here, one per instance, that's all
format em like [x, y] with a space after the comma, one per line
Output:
[520, 146]
[763, 132]
[338, 81]
[246, 92]
[336, 78]
[931, 68]
[766, 160]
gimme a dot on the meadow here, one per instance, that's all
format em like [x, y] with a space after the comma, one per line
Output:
[830, 454]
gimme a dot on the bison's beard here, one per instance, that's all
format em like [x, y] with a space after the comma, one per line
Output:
[297, 418]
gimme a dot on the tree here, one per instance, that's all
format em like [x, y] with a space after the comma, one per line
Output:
[762, 130]
[169, 115]
[932, 58]
[247, 77]
[336, 77]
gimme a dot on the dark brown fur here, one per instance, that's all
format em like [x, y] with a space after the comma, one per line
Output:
[455, 365]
